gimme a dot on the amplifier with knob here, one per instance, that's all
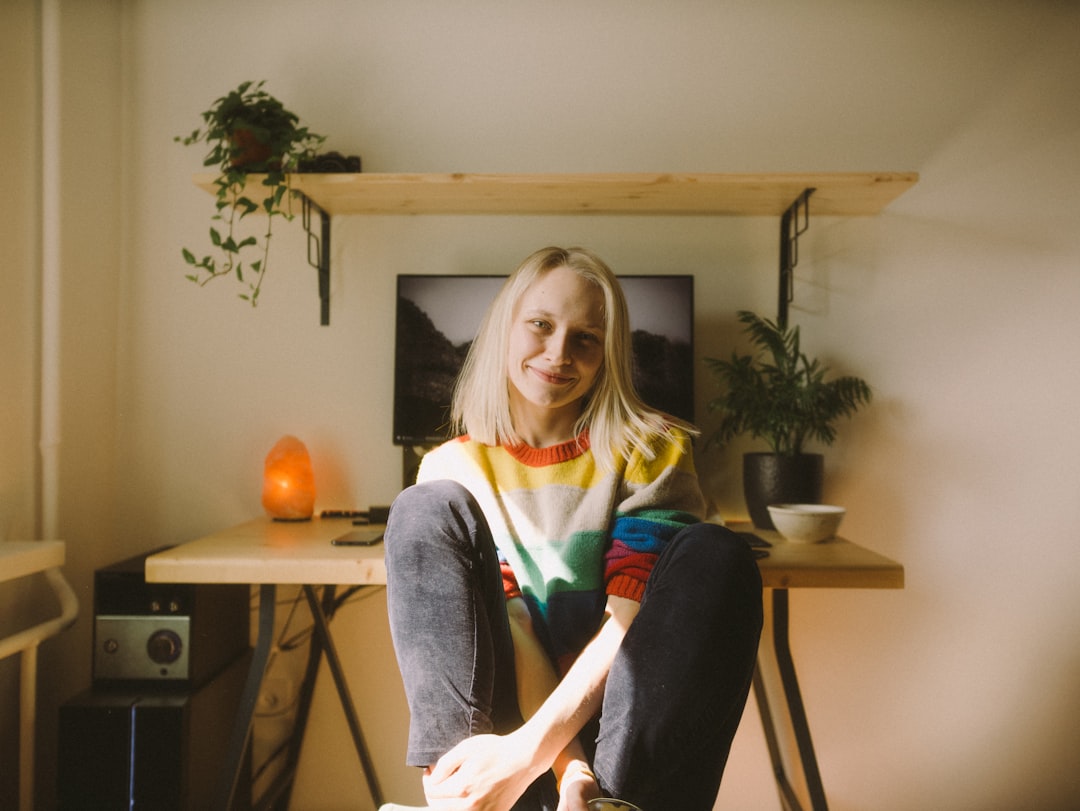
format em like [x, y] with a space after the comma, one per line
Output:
[175, 633]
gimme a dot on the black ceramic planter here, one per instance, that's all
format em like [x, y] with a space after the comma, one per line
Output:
[772, 479]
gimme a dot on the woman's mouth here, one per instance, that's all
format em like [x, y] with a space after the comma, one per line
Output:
[551, 378]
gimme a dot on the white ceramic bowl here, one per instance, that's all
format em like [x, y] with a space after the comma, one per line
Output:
[806, 523]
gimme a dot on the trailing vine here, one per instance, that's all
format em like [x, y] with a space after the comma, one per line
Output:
[249, 133]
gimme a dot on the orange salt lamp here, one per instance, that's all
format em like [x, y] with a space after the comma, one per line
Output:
[288, 481]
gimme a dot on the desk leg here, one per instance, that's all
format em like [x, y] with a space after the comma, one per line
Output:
[238, 742]
[278, 795]
[326, 642]
[787, 732]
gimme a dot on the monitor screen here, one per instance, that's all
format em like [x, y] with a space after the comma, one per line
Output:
[438, 316]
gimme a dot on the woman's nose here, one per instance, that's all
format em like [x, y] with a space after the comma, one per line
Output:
[557, 348]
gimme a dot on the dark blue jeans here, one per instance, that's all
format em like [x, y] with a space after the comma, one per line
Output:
[676, 689]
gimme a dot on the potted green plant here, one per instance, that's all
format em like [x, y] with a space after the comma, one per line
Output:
[780, 395]
[248, 131]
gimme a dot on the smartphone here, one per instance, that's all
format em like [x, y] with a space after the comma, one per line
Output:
[359, 537]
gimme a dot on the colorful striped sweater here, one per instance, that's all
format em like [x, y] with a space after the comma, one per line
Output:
[569, 533]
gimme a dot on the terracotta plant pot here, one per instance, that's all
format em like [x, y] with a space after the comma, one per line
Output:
[248, 150]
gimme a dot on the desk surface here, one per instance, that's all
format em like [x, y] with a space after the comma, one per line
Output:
[266, 551]
[834, 564]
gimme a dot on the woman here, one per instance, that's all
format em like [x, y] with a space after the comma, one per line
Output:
[549, 573]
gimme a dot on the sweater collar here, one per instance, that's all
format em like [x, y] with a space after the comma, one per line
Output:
[541, 457]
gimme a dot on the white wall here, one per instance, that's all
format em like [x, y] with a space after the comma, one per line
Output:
[956, 304]
[89, 251]
[17, 397]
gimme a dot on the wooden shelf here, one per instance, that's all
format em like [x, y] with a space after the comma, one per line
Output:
[835, 194]
[792, 197]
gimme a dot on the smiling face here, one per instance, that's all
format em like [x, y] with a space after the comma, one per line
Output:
[555, 352]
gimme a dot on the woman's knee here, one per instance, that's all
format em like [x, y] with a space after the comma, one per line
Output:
[714, 569]
[437, 520]
[428, 498]
[433, 508]
[712, 549]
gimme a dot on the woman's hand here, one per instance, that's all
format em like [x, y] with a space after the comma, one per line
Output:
[482, 773]
[577, 787]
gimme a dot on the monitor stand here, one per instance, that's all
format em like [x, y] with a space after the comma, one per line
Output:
[410, 462]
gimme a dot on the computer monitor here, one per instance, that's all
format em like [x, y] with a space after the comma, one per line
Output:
[438, 317]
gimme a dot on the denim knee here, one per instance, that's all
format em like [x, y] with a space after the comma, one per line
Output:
[713, 564]
[431, 502]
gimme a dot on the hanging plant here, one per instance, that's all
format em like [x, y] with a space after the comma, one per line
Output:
[248, 131]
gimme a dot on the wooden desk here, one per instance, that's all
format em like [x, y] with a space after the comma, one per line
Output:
[276, 552]
[832, 564]
[838, 564]
[268, 553]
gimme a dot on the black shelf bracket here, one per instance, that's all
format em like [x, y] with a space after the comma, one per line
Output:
[319, 253]
[793, 223]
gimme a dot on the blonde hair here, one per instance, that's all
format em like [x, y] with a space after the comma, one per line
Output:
[617, 420]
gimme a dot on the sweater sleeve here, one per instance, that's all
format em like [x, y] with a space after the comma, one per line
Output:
[509, 580]
[662, 497]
